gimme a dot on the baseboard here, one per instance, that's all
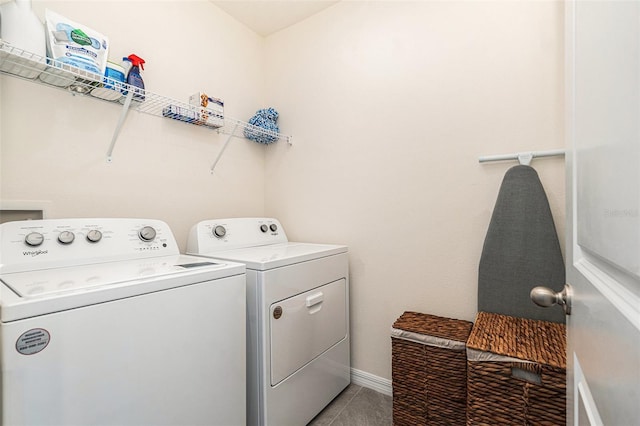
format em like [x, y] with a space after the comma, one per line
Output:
[370, 381]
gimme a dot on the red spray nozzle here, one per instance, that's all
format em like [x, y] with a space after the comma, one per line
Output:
[136, 60]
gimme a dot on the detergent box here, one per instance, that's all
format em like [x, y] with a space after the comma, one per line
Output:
[210, 110]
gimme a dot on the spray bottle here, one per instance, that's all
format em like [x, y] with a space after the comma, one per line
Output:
[133, 76]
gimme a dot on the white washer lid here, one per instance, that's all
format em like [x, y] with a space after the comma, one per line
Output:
[26, 294]
[271, 256]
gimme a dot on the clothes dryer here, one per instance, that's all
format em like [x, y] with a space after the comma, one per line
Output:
[298, 354]
[103, 322]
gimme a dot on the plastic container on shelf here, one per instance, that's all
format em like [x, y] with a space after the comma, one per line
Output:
[113, 83]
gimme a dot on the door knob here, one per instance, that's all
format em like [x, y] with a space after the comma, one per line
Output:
[545, 297]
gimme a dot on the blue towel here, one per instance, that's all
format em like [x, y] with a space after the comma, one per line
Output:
[265, 119]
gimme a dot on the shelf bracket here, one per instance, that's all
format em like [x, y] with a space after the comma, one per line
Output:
[213, 166]
[116, 132]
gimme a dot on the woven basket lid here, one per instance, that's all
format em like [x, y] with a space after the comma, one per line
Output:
[543, 342]
[432, 325]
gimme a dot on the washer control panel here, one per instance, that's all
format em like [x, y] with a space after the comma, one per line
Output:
[226, 234]
[37, 244]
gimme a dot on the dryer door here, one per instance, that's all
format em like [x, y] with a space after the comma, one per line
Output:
[306, 325]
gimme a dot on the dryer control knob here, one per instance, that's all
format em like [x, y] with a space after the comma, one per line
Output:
[264, 228]
[94, 236]
[34, 239]
[273, 227]
[147, 234]
[66, 237]
[219, 231]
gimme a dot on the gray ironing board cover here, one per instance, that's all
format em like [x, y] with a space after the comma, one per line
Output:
[521, 250]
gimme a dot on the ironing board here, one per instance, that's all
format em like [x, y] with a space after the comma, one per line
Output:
[521, 250]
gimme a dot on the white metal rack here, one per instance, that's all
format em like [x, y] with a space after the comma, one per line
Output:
[29, 66]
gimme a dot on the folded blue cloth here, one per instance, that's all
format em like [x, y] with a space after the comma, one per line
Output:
[265, 119]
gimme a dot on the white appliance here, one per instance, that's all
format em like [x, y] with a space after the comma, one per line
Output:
[298, 316]
[103, 322]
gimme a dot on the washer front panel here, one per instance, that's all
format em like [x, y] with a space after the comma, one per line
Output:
[143, 360]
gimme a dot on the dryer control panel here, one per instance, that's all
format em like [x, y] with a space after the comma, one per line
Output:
[228, 234]
[40, 244]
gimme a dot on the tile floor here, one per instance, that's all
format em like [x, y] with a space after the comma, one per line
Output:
[356, 406]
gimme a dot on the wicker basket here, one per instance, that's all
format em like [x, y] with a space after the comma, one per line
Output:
[429, 370]
[516, 372]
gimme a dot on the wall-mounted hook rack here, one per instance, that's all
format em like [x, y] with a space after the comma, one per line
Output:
[523, 157]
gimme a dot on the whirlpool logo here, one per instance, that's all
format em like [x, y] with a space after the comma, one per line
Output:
[34, 253]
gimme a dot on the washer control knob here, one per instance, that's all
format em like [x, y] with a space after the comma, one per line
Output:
[219, 231]
[273, 227]
[34, 239]
[94, 236]
[66, 237]
[147, 234]
[264, 228]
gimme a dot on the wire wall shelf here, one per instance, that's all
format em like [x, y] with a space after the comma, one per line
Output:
[25, 65]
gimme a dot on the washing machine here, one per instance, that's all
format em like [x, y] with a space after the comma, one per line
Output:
[298, 354]
[103, 322]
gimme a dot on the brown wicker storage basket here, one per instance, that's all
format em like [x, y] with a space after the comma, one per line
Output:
[429, 371]
[516, 372]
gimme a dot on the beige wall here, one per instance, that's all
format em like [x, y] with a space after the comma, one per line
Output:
[390, 104]
[53, 145]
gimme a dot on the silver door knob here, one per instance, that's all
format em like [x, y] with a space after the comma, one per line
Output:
[545, 297]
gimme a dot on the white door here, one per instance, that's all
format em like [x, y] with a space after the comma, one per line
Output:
[603, 199]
